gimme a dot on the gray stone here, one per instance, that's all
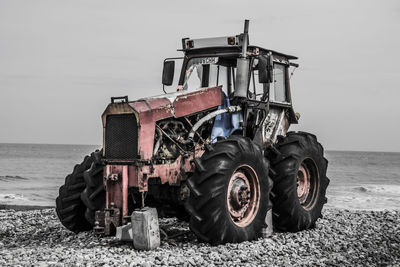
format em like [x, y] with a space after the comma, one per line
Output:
[124, 233]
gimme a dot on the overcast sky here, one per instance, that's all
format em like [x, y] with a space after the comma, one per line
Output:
[61, 61]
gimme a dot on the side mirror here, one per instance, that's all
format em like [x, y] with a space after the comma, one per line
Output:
[168, 72]
[265, 69]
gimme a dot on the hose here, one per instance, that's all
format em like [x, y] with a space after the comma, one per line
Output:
[157, 145]
[211, 115]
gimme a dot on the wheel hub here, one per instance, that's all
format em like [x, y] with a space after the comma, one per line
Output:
[307, 183]
[243, 195]
[239, 192]
[303, 183]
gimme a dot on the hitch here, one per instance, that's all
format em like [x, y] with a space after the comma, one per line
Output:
[107, 221]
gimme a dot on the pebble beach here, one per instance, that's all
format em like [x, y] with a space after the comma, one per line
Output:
[341, 238]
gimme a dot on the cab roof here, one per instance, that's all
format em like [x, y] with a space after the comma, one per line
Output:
[216, 50]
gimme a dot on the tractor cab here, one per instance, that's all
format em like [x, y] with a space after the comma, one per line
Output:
[210, 62]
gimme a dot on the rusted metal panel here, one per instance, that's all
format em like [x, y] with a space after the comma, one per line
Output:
[159, 105]
[124, 193]
[197, 101]
[274, 125]
[168, 173]
[116, 182]
[133, 180]
[171, 173]
[113, 185]
[150, 110]
[117, 108]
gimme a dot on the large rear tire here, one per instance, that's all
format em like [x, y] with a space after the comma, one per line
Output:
[69, 207]
[298, 169]
[229, 192]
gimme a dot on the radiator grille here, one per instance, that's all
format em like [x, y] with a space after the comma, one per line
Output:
[121, 137]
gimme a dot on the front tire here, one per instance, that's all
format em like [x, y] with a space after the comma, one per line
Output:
[299, 173]
[82, 194]
[229, 192]
[69, 207]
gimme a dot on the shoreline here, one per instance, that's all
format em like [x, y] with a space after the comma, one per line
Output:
[24, 207]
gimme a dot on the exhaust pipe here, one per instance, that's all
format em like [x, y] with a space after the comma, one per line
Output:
[243, 65]
[245, 38]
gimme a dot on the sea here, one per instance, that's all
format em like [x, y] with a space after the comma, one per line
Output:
[31, 174]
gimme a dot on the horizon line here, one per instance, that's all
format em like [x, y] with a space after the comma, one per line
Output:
[330, 150]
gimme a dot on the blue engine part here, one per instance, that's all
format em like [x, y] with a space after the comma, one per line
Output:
[225, 124]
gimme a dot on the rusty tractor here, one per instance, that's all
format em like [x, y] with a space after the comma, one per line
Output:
[215, 150]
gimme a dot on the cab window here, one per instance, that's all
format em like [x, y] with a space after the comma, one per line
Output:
[275, 91]
[278, 86]
[257, 91]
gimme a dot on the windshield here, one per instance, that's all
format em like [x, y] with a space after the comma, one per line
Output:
[209, 72]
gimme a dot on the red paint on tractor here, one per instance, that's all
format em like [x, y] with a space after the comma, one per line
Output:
[112, 174]
[196, 101]
[124, 193]
[117, 181]
[171, 173]
[118, 178]
[150, 110]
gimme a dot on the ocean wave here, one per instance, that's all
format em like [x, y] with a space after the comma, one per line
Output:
[7, 178]
[368, 189]
[10, 197]
[361, 189]
[25, 199]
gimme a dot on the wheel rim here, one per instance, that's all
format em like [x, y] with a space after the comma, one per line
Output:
[307, 183]
[243, 196]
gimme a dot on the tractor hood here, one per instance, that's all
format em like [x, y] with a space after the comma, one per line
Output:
[175, 104]
[149, 110]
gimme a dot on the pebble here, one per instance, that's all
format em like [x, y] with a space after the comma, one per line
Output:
[342, 237]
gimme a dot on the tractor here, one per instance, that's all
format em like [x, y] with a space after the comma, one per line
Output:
[214, 150]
